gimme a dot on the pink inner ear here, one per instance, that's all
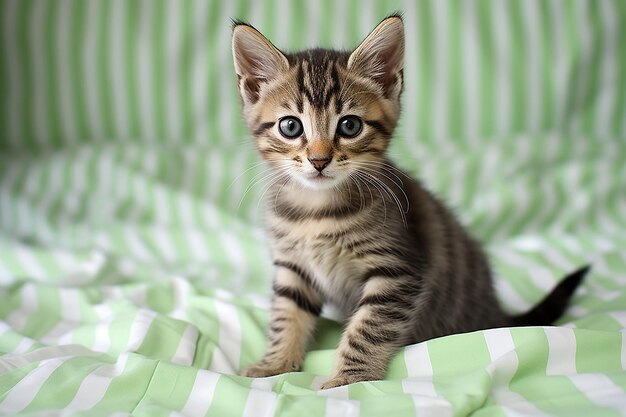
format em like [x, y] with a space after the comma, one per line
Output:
[392, 68]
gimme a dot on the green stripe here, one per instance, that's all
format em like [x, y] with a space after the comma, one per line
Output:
[518, 49]
[104, 77]
[232, 393]
[486, 81]
[77, 53]
[186, 115]
[424, 84]
[27, 73]
[159, 65]
[547, 51]
[131, 61]
[589, 100]
[619, 113]
[53, 93]
[454, 83]
[213, 26]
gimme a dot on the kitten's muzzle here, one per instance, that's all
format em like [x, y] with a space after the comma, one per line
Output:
[320, 163]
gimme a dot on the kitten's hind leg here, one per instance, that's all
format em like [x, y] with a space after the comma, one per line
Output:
[295, 308]
[383, 322]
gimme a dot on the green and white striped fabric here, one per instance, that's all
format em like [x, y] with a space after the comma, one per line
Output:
[134, 273]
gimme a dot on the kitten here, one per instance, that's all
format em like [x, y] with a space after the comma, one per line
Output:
[347, 227]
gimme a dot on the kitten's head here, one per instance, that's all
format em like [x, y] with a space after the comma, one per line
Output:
[321, 115]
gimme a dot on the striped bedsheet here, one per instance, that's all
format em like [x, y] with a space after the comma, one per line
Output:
[134, 272]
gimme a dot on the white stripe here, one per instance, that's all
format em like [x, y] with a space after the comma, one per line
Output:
[30, 263]
[261, 401]
[173, 45]
[510, 298]
[412, 67]
[199, 71]
[419, 384]
[138, 248]
[561, 65]
[117, 67]
[561, 351]
[37, 53]
[624, 351]
[314, 20]
[441, 69]
[236, 256]
[470, 54]
[181, 290]
[95, 385]
[534, 82]
[541, 277]
[14, 72]
[582, 82]
[139, 328]
[30, 303]
[186, 347]
[102, 337]
[457, 189]
[215, 175]
[282, 33]
[417, 361]
[502, 57]
[162, 206]
[504, 364]
[62, 38]
[342, 408]
[161, 239]
[145, 71]
[91, 69]
[226, 355]
[607, 98]
[15, 361]
[340, 29]
[198, 246]
[201, 395]
[224, 111]
[601, 390]
[70, 319]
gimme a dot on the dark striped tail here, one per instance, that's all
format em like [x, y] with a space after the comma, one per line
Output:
[552, 307]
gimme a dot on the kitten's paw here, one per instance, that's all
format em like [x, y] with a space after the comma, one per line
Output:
[342, 379]
[263, 369]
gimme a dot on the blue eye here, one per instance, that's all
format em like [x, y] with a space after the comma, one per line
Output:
[290, 127]
[349, 126]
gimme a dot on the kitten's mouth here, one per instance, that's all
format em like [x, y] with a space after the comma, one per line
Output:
[320, 177]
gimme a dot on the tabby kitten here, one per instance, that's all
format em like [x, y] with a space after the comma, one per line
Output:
[349, 228]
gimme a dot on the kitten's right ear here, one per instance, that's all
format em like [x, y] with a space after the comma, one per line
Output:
[256, 60]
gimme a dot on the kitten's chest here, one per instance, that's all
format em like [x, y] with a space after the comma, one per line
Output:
[325, 254]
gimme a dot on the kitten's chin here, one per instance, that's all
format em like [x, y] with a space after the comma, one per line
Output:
[320, 182]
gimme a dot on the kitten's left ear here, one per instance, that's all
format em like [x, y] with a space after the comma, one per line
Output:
[381, 55]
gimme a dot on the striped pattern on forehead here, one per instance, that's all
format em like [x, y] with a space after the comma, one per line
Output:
[318, 77]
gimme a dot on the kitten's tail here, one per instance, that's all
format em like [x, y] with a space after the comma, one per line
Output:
[551, 307]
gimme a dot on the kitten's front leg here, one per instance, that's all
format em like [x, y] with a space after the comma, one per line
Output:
[295, 308]
[382, 323]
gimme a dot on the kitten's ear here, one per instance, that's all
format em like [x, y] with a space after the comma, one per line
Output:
[381, 55]
[256, 60]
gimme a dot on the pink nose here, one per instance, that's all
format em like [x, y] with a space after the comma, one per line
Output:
[320, 163]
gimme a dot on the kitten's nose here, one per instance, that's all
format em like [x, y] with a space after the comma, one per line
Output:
[320, 163]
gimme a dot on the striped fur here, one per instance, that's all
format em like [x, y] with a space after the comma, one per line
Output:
[359, 233]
